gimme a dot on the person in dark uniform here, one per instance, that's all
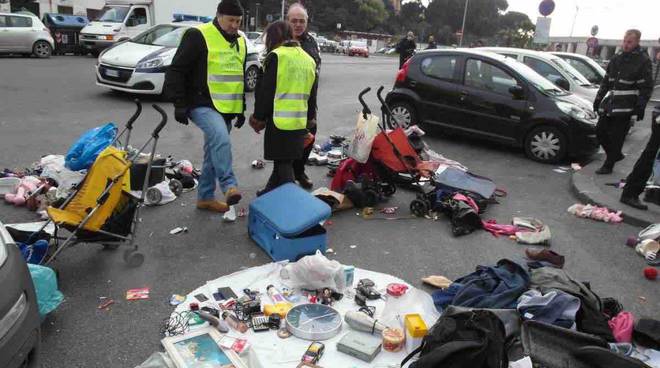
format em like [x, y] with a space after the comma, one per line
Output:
[406, 48]
[636, 181]
[297, 17]
[624, 93]
[285, 102]
[207, 85]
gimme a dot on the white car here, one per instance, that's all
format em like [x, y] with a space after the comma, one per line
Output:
[587, 66]
[552, 68]
[22, 33]
[138, 65]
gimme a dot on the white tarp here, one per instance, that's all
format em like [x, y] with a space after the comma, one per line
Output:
[268, 350]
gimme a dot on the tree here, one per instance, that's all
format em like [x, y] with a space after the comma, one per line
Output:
[371, 12]
[482, 19]
[516, 29]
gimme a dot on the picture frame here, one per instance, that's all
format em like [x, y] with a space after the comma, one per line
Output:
[200, 348]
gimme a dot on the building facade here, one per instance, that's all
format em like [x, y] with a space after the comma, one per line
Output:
[606, 47]
[88, 8]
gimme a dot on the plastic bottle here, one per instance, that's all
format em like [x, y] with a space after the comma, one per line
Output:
[234, 322]
[275, 295]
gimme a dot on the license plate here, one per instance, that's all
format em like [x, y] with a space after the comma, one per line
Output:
[112, 73]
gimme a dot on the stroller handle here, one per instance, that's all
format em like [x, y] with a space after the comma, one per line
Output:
[379, 94]
[365, 109]
[138, 111]
[162, 123]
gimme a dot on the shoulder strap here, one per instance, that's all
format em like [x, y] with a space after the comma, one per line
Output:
[411, 355]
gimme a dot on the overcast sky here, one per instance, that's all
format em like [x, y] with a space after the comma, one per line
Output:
[613, 17]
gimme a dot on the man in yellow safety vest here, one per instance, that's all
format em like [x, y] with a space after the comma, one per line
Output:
[206, 82]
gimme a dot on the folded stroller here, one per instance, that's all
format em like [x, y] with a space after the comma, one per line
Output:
[101, 208]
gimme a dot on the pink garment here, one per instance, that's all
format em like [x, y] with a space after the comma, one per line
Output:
[468, 200]
[500, 229]
[622, 326]
[595, 213]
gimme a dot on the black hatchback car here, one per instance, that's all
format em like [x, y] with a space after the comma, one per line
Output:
[497, 98]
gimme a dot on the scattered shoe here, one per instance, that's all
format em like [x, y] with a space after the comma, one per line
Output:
[440, 282]
[634, 202]
[305, 182]
[604, 170]
[547, 256]
[233, 196]
[213, 205]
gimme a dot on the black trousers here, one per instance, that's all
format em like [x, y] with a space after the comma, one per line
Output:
[636, 181]
[299, 165]
[611, 133]
[282, 174]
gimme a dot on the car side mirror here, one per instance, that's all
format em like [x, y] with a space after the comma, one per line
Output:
[517, 92]
[563, 83]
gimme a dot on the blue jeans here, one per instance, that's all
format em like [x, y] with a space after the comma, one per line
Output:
[217, 152]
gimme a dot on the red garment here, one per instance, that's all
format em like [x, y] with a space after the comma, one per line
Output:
[350, 169]
[500, 229]
[622, 326]
[382, 151]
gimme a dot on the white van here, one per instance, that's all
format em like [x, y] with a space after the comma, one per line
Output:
[123, 19]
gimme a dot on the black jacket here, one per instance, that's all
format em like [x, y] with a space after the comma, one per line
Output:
[308, 43]
[406, 48]
[629, 78]
[278, 144]
[186, 79]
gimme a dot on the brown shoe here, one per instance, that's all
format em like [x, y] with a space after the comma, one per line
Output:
[233, 196]
[213, 205]
[547, 256]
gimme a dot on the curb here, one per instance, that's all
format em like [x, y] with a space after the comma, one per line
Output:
[586, 190]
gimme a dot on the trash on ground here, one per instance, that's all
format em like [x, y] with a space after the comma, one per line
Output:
[137, 294]
[106, 304]
[258, 164]
[389, 210]
[596, 213]
[230, 216]
[177, 299]
[440, 282]
[576, 167]
[178, 230]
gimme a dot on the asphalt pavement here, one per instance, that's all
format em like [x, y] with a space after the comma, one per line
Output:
[47, 104]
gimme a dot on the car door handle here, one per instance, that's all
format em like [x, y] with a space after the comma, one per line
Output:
[463, 95]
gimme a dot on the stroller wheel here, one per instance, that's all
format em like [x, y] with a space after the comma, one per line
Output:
[389, 189]
[111, 246]
[419, 208]
[370, 198]
[176, 187]
[133, 258]
[154, 196]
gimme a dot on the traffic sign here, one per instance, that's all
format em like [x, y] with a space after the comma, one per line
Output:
[546, 7]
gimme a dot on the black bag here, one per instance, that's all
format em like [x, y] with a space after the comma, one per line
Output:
[474, 339]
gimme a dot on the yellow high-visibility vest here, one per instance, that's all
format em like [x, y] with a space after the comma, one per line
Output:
[225, 70]
[296, 72]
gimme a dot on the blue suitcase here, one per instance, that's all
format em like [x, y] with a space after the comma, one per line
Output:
[285, 223]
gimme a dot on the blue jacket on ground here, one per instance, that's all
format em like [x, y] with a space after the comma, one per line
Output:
[497, 286]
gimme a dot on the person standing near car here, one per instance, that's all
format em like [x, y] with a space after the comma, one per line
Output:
[624, 93]
[285, 102]
[406, 48]
[298, 19]
[206, 82]
[636, 181]
[432, 45]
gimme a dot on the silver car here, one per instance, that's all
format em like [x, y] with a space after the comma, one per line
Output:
[24, 34]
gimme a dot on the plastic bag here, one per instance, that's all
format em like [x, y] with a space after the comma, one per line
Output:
[314, 272]
[82, 154]
[413, 301]
[45, 286]
[157, 360]
[363, 138]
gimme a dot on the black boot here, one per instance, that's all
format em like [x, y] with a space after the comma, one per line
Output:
[634, 202]
[606, 169]
[304, 181]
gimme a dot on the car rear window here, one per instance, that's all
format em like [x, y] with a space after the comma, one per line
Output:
[20, 21]
[3, 21]
[440, 66]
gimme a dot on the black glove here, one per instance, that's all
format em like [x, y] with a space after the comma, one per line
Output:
[240, 121]
[639, 111]
[181, 115]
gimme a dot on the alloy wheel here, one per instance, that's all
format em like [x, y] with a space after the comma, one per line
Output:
[545, 145]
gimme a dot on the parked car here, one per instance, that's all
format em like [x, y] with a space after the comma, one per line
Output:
[484, 94]
[253, 35]
[358, 48]
[587, 66]
[20, 330]
[139, 64]
[329, 46]
[343, 47]
[25, 34]
[553, 68]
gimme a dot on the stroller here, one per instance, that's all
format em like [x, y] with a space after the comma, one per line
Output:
[101, 208]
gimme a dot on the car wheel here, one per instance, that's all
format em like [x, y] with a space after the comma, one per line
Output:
[546, 144]
[251, 78]
[42, 49]
[403, 115]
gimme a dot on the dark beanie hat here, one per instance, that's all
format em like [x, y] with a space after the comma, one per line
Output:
[230, 7]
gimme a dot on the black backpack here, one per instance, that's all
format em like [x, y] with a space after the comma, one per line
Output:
[473, 339]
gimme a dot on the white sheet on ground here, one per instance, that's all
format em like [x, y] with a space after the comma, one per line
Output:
[268, 350]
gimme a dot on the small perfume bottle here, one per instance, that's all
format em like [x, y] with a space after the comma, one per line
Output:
[234, 322]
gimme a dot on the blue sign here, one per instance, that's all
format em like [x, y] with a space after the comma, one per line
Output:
[546, 7]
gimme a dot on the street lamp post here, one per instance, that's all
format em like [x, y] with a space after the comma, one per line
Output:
[283, 5]
[460, 42]
[256, 22]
